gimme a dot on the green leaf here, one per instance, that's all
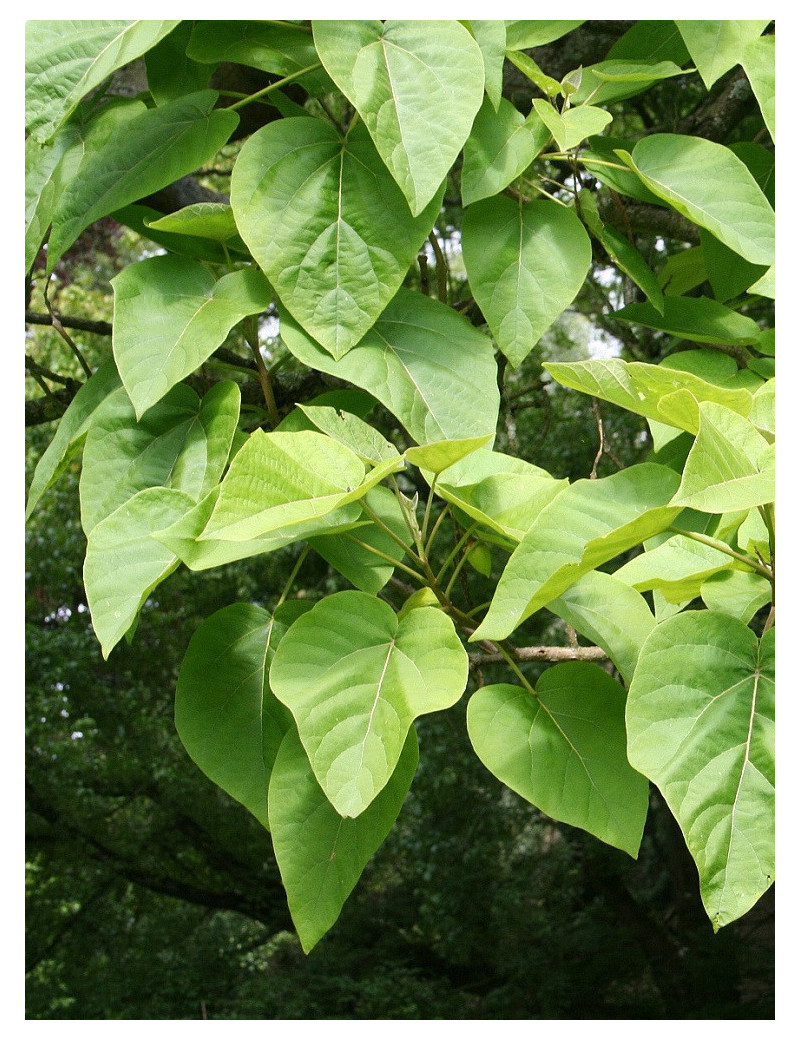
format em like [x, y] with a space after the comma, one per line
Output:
[180, 443]
[158, 147]
[603, 162]
[762, 414]
[284, 50]
[765, 286]
[188, 539]
[439, 455]
[707, 183]
[212, 220]
[587, 524]
[170, 71]
[355, 677]
[227, 717]
[571, 127]
[64, 60]
[695, 318]
[124, 564]
[278, 480]
[677, 568]
[617, 79]
[327, 224]
[738, 593]
[729, 467]
[500, 491]
[416, 85]
[526, 263]
[563, 750]
[433, 370]
[321, 855]
[71, 432]
[521, 35]
[609, 613]
[367, 442]
[170, 315]
[758, 61]
[686, 270]
[527, 66]
[716, 47]
[491, 38]
[700, 720]
[729, 274]
[141, 218]
[502, 144]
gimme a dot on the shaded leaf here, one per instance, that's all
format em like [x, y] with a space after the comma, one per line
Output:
[695, 318]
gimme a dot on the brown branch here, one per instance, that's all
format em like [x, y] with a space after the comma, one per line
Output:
[101, 328]
[543, 653]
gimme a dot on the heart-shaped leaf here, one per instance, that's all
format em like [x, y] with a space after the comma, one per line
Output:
[701, 721]
[327, 224]
[563, 750]
[355, 676]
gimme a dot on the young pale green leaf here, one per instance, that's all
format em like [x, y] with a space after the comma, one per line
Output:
[124, 564]
[429, 366]
[72, 430]
[526, 263]
[700, 718]
[227, 717]
[729, 467]
[587, 524]
[762, 414]
[563, 750]
[281, 479]
[527, 66]
[574, 125]
[521, 35]
[716, 47]
[416, 85]
[738, 593]
[327, 224]
[212, 220]
[616, 79]
[320, 854]
[64, 60]
[758, 61]
[502, 144]
[140, 218]
[367, 442]
[350, 552]
[696, 318]
[491, 38]
[158, 147]
[181, 443]
[610, 613]
[707, 183]
[440, 455]
[501, 492]
[200, 552]
[170, 315]
[355, 677]
[677, 568]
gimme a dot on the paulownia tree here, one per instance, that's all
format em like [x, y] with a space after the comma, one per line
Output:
[348, 146]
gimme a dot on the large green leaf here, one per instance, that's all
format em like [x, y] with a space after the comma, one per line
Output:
[64, 60]
[738, 593]
[158, 146]
[359, 436]
[320, 854]
[610, 613]
[72, 430]
[181, 442]
[677, 568]
[433, 370]
[589, 523]
[707, 183]
[417, 85]
[521, 35]
[490, 35]
[716, 47]
[502, 144]
[281, 479]
[730, 466]
[355, 676]
[526, 263]
[226, 715]
[124, 564]
[563, 750]
[170, 315]
[327, 224]
[700, 719]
